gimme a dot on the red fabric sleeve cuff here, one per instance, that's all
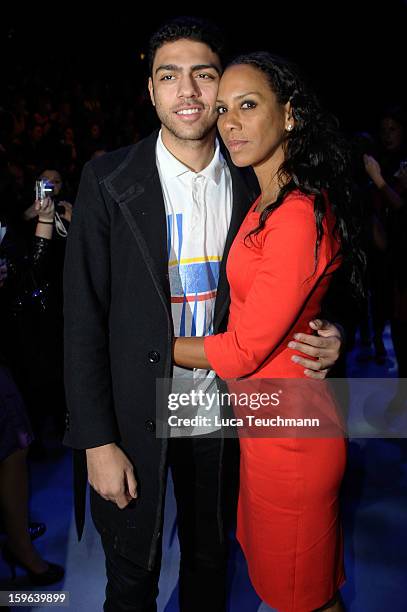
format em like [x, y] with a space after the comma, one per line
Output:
[212, 348]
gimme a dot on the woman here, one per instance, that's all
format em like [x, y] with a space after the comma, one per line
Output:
[279, 268]
[15, 439]
[386, 268]
[32, 339]
[36, 310]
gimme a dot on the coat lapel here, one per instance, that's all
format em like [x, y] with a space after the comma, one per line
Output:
[245, 190]
[135, 186]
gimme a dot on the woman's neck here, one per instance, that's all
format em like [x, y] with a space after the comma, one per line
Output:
[269, 180]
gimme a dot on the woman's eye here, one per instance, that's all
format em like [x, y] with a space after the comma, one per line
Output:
[249, 104]
[221, 110]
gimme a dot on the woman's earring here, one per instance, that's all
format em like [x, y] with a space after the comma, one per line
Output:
[289, 127]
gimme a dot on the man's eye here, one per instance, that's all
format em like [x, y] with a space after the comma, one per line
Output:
[205, 76]
[221, 110]
[167, 77]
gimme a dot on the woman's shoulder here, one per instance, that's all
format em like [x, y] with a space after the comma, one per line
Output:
[302, 203]
[299, 199]
[295, 204]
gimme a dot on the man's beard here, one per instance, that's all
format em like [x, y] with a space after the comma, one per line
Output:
[192, 132]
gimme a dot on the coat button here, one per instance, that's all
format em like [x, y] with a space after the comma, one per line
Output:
[154, 356]
[67, 421]
[150, 425]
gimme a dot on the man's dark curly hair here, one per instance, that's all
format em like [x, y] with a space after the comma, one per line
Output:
[316, 158]
[190, 28]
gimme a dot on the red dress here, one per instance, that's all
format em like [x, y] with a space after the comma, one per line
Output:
[288, 513]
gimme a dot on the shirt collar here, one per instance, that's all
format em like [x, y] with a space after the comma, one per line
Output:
[171, 167]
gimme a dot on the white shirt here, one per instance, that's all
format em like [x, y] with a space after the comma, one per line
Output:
[198, 210]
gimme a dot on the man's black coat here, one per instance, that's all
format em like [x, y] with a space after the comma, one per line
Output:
[118, 331]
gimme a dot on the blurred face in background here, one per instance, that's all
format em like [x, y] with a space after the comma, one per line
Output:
[95, 131]
[37, 133]
[69, 135]
[183, 88]
[18, 174]
[391, 134]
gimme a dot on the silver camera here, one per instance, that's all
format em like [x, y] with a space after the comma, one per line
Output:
[43, 189]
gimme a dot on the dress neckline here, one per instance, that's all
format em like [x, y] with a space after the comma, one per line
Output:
[253, 210]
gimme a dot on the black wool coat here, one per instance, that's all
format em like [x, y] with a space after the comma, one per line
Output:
[118, 332]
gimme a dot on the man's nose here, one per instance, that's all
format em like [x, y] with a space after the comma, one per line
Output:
[188, 87]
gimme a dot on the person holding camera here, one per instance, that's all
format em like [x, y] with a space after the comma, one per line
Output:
[388, 200]
[54, 183]
[388, 176]
[35, 303]
[45, 221]
[24, 300]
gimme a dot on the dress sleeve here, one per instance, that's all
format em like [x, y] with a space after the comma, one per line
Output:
[278, 292]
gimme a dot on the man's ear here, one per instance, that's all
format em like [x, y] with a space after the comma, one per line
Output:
[151, 90]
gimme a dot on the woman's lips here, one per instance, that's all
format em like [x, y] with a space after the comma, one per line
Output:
[236, 145]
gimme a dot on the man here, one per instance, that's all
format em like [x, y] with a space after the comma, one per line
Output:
[144, 215]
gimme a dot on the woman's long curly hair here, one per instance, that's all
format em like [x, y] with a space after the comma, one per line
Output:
[317, 159]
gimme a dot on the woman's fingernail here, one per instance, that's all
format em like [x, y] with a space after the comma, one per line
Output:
[295, 358]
